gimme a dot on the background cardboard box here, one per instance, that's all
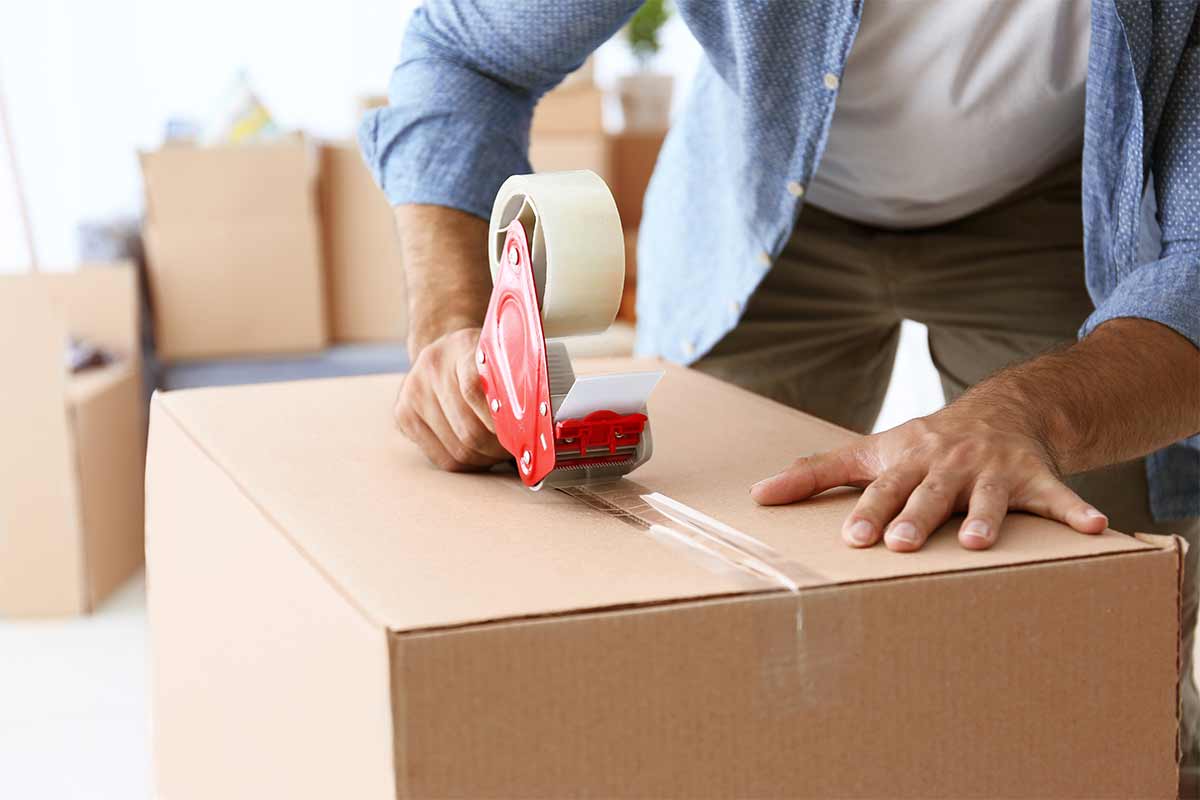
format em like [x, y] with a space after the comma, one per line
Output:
[72, 461]
[333, 617]
[558, 152]
[633, 158]
[233, 250]
[364, 273]
[572, 108]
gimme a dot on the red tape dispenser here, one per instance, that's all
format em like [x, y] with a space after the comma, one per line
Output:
[558, 268]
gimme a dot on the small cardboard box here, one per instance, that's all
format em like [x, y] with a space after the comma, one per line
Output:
[633, 158]
[362, 251]
[333, 617]
[233, 250]
[558, 152]
[72, 460]
[570, 109]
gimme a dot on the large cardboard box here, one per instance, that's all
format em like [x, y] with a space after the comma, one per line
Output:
[73, 449]
[233, 249]
[362, 251]
[332, 617]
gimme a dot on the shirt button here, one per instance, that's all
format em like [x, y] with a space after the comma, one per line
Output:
[735, 307]
[764, 259]
[689, 349]
[831, 81]
[795, 188]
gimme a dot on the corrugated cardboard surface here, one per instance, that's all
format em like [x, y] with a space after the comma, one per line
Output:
[233, 250]
[1054, 680]
[72, 462]
[295, 446]
[267, 682]
[362, 252]
[537, 648]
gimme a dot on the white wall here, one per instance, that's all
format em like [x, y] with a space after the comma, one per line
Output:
[89, 83]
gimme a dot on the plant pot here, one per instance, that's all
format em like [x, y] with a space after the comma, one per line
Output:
[646, 101]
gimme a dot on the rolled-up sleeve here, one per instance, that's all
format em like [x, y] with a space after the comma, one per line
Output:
[1168, 290]
[462, 97]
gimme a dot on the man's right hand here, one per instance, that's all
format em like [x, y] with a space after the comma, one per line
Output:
[441, 405]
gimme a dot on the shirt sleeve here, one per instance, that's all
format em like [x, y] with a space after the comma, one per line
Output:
[1168, 290]
[462, 97]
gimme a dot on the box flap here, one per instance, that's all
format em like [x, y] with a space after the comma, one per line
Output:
[187, 185]
[417, 548]
[99, 303]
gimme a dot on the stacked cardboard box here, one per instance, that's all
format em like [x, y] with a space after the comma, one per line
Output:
[427, 634]
[568, 130]
[233, 250]
[73, 444]
[362, 251]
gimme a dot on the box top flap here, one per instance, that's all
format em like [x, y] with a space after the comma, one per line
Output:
[99, 303]
[188, 185]
[417, 548]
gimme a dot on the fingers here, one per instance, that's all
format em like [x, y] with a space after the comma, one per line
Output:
[928, 506]
[435, 412]
[471, 389]
[878, 505]
[1049, 497]
[985, 512]
[415, 429]
[465, 423]
[809, 476]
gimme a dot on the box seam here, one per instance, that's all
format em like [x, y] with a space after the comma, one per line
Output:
[271, 520]
[748, 595]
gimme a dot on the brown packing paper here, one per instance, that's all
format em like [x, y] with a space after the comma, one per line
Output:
[432, 635]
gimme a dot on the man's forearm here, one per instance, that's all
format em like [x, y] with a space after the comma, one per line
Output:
[1131, 387]
[446, 271]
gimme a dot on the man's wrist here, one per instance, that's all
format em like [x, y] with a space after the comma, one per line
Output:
[426, 330]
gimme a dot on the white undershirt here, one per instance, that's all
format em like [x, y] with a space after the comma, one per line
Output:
[946, 106]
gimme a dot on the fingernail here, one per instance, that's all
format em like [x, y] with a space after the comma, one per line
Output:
[903, 532]
[860, 532]
[1094, 514]
[978, 529]
[763, 483]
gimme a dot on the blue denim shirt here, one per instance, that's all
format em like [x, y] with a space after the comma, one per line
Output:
[718, 211]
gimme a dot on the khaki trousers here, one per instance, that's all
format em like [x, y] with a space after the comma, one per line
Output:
[997, 287]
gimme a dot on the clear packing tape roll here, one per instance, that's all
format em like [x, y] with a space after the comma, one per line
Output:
[576, 244]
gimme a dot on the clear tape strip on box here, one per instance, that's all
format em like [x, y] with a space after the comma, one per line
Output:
[709, 541]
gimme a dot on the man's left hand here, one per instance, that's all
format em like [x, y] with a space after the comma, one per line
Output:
[916, 475]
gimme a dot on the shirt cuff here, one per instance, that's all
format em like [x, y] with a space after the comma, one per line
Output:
[450, 137]
[1166, 291]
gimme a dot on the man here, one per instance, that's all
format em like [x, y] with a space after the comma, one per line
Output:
[937, 149]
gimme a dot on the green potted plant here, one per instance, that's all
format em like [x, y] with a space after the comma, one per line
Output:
[646, 94]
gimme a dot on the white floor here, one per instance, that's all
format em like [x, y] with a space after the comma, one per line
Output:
[73, 705]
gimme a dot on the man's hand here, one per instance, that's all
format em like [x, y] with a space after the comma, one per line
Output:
[441, 405]
[1129, 388]
[919, 473]
[442, 408]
